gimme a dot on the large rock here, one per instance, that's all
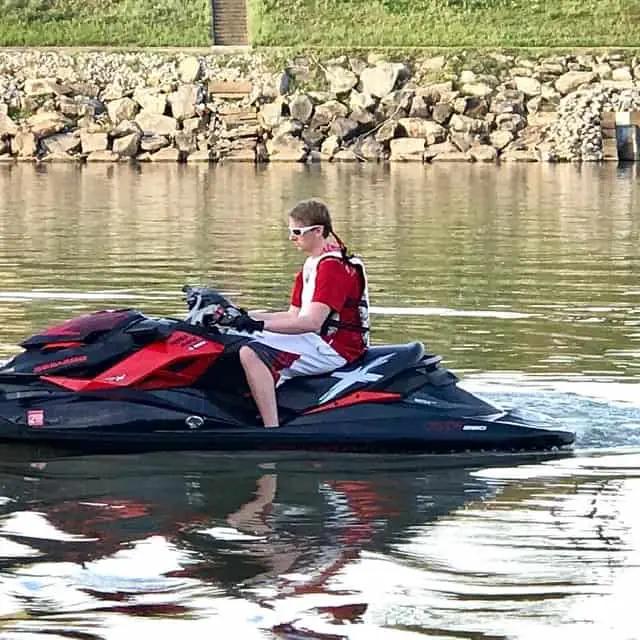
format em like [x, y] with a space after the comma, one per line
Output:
[271, 114]
[483, 153]
[622, 74]
[168, 154]
[154, 124]
[453, 156]
[420, 107]
[125, 128]
[24, 145]
[7, 126]
[103, 156]
[441, 112]
[430, 131]
[62, 143]
[46, 123]
[434, 150]
[127, 146]
[477, 89]
[301, 107]
[59, 157]
[288, 126]
[204, 155]
[331, 110]
[186, 142]
[407, 149]
[91, 142]
[189, 69]
[45, 87]
[343, 128]
[520, 155]
[462, 141]
[341, 80]
[68, 107]
[510, 122]
[396, 104]
[529, 86]
[183, 101]
[346, 155]
[330, 147]
[464, 124]
[436, 92]
[381, 79]
[286, 149]
[121, 109]
[363, 117]
[312, 138]
[387, 131]
[573, 79]
[370, 149]
[153, 143]
[500, 139]
[151, 100]
[358, 100]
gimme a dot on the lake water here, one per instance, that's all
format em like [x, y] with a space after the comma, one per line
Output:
[526, 279]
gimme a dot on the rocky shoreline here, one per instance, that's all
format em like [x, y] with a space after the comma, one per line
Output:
[105, 106]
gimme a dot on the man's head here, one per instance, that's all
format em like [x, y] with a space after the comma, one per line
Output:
[309, 225]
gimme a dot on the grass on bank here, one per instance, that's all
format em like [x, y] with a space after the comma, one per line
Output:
[327, 23]
[117, 23]
[445, 23]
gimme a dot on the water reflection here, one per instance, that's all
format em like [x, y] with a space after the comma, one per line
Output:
[470, 546]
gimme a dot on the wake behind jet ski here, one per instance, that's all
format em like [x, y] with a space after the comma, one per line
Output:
[122, 381]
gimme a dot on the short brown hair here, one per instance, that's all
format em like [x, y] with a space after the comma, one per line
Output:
[310, 212]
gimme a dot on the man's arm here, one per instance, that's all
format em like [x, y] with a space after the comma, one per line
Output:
[270, 315]
[286, 322]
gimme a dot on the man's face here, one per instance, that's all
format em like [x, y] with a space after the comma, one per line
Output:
[306, 238]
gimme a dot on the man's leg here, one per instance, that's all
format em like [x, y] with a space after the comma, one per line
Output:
[262, 385]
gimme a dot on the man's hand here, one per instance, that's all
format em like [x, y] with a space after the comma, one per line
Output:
[244, 322]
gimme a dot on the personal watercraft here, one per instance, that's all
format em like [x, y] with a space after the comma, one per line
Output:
[122, 381]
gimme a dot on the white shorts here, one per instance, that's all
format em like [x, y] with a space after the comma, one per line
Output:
[290, 355]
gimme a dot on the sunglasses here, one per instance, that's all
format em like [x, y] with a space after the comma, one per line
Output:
[296, 232]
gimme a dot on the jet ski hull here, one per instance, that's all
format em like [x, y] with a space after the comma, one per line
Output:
[400, 427]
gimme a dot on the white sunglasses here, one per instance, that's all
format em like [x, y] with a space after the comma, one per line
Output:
[300, 231]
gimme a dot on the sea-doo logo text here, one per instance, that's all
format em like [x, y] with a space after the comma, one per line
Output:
[119, 378]
[59, 363]
[356, 376]
[197, 345]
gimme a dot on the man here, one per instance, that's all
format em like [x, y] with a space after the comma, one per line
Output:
[326, 325]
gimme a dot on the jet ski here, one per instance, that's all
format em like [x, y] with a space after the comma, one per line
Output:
[122, 381]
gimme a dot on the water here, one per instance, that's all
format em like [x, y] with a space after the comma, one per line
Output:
[525, 278]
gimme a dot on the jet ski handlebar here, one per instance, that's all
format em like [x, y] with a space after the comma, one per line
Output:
[208, 307]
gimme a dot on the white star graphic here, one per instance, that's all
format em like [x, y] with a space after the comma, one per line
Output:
[349, 378]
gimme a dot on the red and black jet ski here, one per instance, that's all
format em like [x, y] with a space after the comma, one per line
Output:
[121, 381]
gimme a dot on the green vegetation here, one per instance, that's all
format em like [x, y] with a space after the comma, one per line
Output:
[116, 23]
[344, 24]
[445, 23]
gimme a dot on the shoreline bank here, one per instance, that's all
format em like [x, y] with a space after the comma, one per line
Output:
[260, 106]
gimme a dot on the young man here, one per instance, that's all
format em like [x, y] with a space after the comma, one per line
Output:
[326, 325]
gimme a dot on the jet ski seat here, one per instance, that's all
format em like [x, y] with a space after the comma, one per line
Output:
[409, 354]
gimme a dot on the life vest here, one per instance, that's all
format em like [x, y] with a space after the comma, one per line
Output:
[333, 323]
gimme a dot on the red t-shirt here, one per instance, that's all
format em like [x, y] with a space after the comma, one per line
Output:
[336, 283]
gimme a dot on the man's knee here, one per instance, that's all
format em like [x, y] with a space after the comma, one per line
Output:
[249, 358]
